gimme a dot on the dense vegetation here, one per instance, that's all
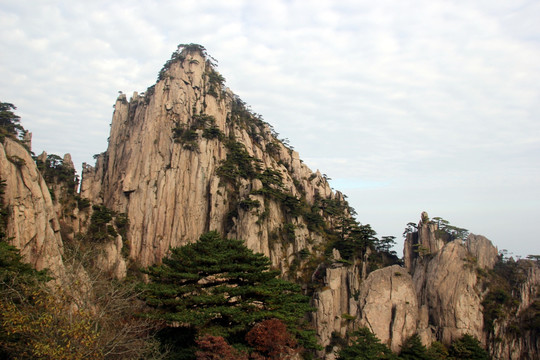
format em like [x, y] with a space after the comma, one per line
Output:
[219, 287]
[366, 346]
[9, 122]
[214, 299]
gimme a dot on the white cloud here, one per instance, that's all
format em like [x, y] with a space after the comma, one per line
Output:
[436, 100]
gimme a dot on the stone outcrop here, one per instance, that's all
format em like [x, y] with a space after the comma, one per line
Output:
[444, 273]
[188, 157]
[384, 302]
[336, 303]
[32, 224]
[447, 292]
[172, 189]
[482, 251]
[515, 336]
[387, 305]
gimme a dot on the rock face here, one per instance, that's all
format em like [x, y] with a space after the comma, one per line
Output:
[453, 284]
[33, 226]
[336, 304]
[188, 157]
[513, 337]
[387, 305]
[385, 302]
[440, 295]
[445, 278]
[447, 293]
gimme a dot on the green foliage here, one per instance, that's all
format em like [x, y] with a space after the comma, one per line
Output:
[314, 219]
[530, 318]
[122, 223]
[413, 349]
[215, 82]
[504, 283]
[179, 55]
[354, 239]
[238, 164]
[445, 231]
[4, 212]
[54, 171]
[249, 203]
[9, 122]
[213, 132]
[82, 203]
[304, 253]
[289, 232]
[468, 347]
[16, 275]
[272, 148]
[449, 232]
[365, 346]
[437, 351]
[385, 244]
[495, 305]
[220, 287]
[253, 123]
[187, 135]
[411, 228]
[100, 229]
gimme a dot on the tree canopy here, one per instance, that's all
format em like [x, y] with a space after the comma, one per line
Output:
[468, 347]
[220, 287]
[9, 122]
[365, 346]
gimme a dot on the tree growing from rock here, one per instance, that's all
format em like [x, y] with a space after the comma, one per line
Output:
[468, 347]
[9, 122]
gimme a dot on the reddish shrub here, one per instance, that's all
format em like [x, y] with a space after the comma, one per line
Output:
[216, 348]
[271, 340]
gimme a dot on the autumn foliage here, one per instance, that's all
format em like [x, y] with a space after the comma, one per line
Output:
[216, 348]
[271, 340]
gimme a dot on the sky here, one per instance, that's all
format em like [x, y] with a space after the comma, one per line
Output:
[408, 106]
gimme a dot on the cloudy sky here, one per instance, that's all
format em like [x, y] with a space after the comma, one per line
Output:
[406, 105]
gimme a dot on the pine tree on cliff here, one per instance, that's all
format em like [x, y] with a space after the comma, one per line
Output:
[365, 346]
[220, 287]
[9, 122]
[468, 347]
[413, 349]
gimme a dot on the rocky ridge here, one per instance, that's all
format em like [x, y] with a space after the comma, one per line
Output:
[188, 156]
[33, 223]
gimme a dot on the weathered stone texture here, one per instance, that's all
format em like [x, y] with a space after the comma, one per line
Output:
[33, 226]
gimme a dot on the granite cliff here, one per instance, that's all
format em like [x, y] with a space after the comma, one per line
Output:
[188, 156]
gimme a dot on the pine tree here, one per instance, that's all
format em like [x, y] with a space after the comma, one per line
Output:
[365, 346]
[413, 349]
[220, 287]
[9, 122]
[468, 347]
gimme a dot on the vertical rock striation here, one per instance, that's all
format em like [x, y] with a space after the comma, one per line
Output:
[32, 224]
[189, 157]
